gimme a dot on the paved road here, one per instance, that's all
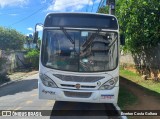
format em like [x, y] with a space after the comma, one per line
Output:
[23, 95]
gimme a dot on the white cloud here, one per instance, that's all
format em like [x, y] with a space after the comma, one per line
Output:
[43, 1]
[4, 3]
[10, 14]
[29, 34]
[97, 1]
[13, 14]
[68, 5]
[30, 29]
[39, 28]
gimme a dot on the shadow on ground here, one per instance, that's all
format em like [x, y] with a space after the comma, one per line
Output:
[80, 110]
[129, 84]
[18, 87]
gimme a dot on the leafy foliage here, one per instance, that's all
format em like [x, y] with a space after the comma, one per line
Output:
[104, 9]
[10, 39]
[33, 53]
[33, 57]
[140, 22]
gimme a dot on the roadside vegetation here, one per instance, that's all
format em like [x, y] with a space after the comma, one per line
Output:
[32, 58]
[126, 98]
[11, 43]
[151, 85]
[139, 23]
[10, 39]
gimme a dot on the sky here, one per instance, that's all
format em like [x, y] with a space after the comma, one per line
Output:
[22, 15]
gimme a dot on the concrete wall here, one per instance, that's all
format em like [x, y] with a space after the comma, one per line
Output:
[146, 63]
[14, 59]
[127, 58]
[148, 58]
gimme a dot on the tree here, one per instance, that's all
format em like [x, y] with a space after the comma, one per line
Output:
[140, 23]
[104, 9]
[139, 20]
[10, 39]
[32, 57]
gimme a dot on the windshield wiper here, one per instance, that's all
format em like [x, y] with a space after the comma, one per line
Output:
[97, 34]
[111, 44]
[68, 36]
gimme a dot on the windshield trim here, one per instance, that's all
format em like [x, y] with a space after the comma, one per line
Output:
[44, 37]
[72, 28]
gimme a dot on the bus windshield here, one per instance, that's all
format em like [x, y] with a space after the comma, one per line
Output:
[80, 50]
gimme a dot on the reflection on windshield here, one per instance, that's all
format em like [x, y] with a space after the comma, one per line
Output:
[80, 51]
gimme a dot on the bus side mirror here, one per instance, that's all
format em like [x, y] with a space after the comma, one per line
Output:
[35, 37]
[122, 39]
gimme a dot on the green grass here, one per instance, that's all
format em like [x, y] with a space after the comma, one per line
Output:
[149, 85]
[126, 98]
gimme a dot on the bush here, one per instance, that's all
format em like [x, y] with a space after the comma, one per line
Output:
[32, 58]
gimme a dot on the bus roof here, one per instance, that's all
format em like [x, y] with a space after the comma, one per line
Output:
[80, 13]
[81, 20]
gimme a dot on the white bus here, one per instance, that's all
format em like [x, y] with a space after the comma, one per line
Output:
[79, 58]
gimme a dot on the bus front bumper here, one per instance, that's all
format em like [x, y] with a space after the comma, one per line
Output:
[93, 96]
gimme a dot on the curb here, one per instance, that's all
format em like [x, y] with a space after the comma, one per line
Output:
[118, 108]
[10, 82]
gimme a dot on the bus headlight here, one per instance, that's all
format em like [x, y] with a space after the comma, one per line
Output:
[47, 81]
[110, 84]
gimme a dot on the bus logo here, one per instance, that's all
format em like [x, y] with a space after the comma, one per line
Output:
[6, 113]
[78, 86]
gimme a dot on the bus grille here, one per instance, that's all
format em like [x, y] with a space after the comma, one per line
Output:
[78, 78]
[77, 94]
[73, 86]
